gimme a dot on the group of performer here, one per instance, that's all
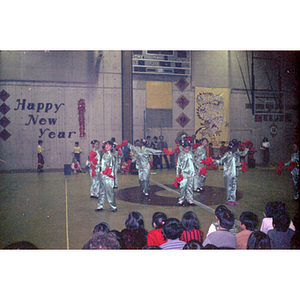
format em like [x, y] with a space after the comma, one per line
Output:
[191, 167]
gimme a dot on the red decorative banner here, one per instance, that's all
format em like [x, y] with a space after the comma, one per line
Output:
[81, 120]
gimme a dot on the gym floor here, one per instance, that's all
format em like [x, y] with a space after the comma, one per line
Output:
[55, 211]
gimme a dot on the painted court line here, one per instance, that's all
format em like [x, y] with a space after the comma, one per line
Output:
[67, 219]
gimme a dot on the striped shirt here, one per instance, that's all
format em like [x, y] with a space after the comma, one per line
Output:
[194, 234]
[173, 245]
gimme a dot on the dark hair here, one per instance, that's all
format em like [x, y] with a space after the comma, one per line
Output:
[201, 141]
[219, 209]
[155, 137]
[258, 240]
[103, 240]
[110, 143]
[193, 245]
[185, 143]
[40, 142]
[151, 248]
[161, 136]
[226, 219]
[159, 218]
[148, 137]
[93, 142]
[143, 141]
[271, 208]
[172, 229]
[134, 221]
[210, 247]
[22, 245]
[113, 139]
[101, 227]
[265, 139]
[249, 219]
[281, 222]
[76, 143]
[136, 142]
[117, 234]
[190, 221]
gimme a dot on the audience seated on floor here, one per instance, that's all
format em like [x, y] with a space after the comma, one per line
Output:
[102, 241]
[172, 230]
[258, 240]
[191, 228]
[223, 238]
[281, 235]
[248, 223]
[215, 225]
[171, 234]
[193, 245]
[134, 236]
[155, 236]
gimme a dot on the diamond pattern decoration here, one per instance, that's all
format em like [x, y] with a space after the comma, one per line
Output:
[182, 120]
[4, 95]
[4, 135]
[182, 102]
[182, 84]
[4, 122]
[4, 108]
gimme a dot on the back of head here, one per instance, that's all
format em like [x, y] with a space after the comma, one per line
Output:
[281, 222]
[172, 229]
[219, 209]
[134, 221]
[258, 240]
[193, 245]
[249, 219]
[271, 209]
[101, 227]
[226, 219]
[102, 241]
[22, 245]
[159, 218]
[190, 221]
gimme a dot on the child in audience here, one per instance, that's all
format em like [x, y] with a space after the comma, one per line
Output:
[191, 227]
[135, 235]
[248, 222]
[193, 245]
[281, 235]
[273, 208]
[155, 236]
[223, 238]
[172, 230]
[258, 240]
[215, 225]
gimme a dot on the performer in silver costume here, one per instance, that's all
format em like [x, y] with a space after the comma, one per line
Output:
[118, 155]
[107, 181]
[231, 164]
[295, 170]
[142, 158]
[94, 165]
[186, 167]
[199, 155]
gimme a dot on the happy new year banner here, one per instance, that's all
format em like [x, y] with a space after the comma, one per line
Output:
[212, 114]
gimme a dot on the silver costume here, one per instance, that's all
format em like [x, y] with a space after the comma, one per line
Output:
[116, 167]
[95, 181]
[186, 167]
[142, 157]
[199, 154]
[295, 173]
[230, 161]
[106, 182]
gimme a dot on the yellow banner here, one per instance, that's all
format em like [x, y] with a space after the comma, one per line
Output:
[159, 94]
[212, 114]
